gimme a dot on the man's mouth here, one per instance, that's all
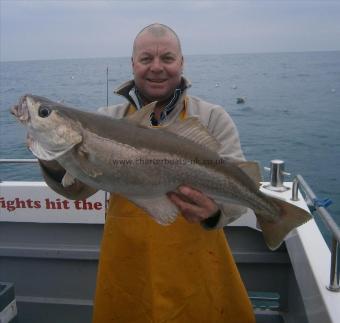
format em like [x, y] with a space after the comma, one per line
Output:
[157, 80]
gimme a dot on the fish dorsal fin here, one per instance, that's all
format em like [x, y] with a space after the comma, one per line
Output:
[252, 169]
[192, 129]
[142, 116]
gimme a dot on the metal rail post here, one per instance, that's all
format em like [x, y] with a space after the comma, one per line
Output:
[331, 226]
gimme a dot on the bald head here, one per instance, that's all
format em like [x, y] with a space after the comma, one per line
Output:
[157, 62]
[158, 31]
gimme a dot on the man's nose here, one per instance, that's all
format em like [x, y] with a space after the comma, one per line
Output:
[156, 65]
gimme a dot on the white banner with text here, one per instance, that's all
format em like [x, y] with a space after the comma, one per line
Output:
[36, 202]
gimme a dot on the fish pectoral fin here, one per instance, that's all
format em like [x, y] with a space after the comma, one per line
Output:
[82, 156]
[142, 116]
[291, 216]
[90, 169]
[191, 128]
[67, 180]
[160, 208]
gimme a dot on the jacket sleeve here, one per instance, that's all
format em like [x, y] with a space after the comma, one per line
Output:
[222, 127]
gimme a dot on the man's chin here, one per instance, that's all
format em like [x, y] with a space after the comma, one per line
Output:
[158, 96]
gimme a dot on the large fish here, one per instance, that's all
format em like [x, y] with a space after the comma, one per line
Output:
[126, 156]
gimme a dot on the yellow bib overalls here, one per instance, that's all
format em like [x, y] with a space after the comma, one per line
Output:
[179, 273]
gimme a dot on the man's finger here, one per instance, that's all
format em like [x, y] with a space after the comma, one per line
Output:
[186, 207]
[194, 195]
[199, 198]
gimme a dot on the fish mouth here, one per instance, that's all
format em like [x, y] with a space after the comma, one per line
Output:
[20, 110]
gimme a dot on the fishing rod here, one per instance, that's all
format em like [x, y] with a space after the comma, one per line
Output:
[107, 86]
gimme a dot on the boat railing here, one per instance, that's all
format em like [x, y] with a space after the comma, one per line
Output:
[319, 206]
[18, 161]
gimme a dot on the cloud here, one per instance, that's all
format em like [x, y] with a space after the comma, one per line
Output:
[66, 29]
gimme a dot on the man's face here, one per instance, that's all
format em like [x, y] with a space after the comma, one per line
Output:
[157, 65]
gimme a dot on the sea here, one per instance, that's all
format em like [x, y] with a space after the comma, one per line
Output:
[291, 108]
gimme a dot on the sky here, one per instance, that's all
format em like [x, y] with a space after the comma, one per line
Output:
[46, 29]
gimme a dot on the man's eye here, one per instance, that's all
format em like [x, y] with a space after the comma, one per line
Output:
[168, 59]
[44, 112]
[145, 59]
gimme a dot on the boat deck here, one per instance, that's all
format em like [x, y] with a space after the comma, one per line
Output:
[54, 269]
[51, 256]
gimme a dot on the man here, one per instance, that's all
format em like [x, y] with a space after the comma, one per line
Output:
[183, 272]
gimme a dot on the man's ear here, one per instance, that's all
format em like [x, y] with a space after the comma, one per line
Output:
[132, 64]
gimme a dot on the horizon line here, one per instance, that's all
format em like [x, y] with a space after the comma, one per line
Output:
[185, 55]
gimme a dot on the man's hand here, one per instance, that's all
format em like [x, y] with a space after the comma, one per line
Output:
[194, 205]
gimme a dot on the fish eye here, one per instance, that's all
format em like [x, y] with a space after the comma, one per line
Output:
[44, 112]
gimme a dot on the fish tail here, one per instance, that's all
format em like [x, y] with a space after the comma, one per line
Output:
[291, 216]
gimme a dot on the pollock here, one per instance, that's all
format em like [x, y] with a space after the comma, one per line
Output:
[128, 157]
